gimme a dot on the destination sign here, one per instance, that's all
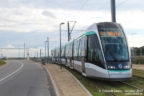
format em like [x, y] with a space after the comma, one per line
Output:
[110, 33]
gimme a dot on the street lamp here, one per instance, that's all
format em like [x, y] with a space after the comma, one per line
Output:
[60, 44]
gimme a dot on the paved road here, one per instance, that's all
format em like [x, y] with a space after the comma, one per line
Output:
[24, 78]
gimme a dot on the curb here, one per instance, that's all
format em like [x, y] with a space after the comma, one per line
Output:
[80, 84]
[51, 78]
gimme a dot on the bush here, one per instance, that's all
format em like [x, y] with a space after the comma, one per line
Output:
[138, 60]
[2, 62]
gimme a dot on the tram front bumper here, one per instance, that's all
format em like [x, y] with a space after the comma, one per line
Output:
[120, 74]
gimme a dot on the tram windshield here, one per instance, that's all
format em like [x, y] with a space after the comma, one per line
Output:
[114, 44]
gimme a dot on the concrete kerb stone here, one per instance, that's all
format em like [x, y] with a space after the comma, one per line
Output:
[52, 80]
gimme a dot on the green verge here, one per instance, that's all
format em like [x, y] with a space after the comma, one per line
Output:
[137, 81]
[2, 62]
[138, 72]
[96, 87]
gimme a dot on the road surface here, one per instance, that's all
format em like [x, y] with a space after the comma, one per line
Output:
[24, 78]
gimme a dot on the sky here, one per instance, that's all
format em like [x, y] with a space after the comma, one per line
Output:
[32, 21]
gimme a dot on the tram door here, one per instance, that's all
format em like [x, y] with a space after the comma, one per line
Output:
[83, 65]
[82, 51]
[70, 62]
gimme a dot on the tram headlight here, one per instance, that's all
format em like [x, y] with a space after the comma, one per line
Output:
[111, 67]
[127, 67]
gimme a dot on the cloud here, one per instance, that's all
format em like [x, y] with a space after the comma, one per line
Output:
[28, 19]
[131, 19]
[25, 19]
[35, 20]
[129, 5]
[31, 21]
[135, 40]
[10, 46]
[49, 14]
[89, 5]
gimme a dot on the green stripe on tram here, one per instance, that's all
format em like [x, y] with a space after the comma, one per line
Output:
[119, 70]
[90, 33]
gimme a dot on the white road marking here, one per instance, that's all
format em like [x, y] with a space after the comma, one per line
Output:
[12, 73]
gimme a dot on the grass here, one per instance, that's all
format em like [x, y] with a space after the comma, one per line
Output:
[138, 72]
[137, 81]
[96, 87]
[2, 62]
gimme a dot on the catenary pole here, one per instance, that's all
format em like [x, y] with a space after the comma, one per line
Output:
[113, 10]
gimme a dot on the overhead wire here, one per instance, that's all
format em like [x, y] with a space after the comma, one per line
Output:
[123, 2]
[83, 4]
[81, 7]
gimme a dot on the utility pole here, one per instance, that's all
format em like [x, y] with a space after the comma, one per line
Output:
[68, 31]
[28, 54]
[113, 11]
[37, 54]
[18, 52]
[24, 50]
[48, 48]
[40, 53]
[60, 45]
[141, 50]
[45, 51]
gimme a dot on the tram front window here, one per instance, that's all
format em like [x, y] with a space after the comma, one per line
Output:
[94, 51]
[114, 44]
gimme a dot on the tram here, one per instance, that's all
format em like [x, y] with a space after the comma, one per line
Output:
[100, 52]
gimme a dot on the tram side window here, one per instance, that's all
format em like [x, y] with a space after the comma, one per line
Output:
[70, 50]
[82, 47]
[52, 53]
[94, 51]
[62, 52]
[67, 51]
[57, 53]
[76, 45]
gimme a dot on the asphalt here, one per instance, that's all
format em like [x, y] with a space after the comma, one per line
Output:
[24, 78]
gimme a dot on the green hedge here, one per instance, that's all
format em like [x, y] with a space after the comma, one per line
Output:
[2, 62]
[138, 60]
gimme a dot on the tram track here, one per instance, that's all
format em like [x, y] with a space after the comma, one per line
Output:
[139, 77]
[108, 86]
[107, 93]
[124, 83]
[136, 77]
[138, 74]
[133, 86]
[99, 87]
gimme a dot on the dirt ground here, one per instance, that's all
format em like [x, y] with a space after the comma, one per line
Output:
[138, 66]
[65, 83]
